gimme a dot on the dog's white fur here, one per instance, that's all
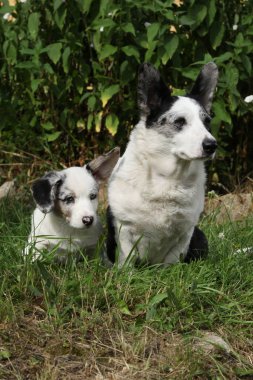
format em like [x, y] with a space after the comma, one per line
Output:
[156, 191]
[59, 227]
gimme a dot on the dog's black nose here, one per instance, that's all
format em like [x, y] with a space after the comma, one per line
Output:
[87, 220]
[209, 146]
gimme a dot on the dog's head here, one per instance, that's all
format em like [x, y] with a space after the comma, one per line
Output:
[72, 193]
[183, 120]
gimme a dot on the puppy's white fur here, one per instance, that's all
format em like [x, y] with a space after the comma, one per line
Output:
[156, 191]
[59, 223]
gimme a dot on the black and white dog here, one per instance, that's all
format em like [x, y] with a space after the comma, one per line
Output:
[156, 190]
[65, 219]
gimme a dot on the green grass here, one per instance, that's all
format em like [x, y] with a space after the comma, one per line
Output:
[83, 321]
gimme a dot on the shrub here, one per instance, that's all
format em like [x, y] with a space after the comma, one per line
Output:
[68, 71]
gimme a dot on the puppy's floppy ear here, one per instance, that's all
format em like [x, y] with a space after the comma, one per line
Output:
[44, 190]
[205, 84]
[102, 166]
[152, 91]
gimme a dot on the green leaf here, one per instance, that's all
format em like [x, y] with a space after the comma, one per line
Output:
[11, 52]
[26, 65]
[128, 28]
[35, 84]
[98, 120]
[107, 51]
[54, 51]
[48, 68]
[112, 123]
[65, 60]
[33, 25]
[48, 126]
[57, 4]
[199, 12]
[157, 299]
[211, 12]
[52, 136]
[123, 308]
[170, 48]
[84, 5]
[216, 34]
[107, 94]
[152, 31]
[131, 51]
[220, 112]
[247, 64]
[223, 58]
[89, 121]
[4, 354]
[91, 103]
[60, 17]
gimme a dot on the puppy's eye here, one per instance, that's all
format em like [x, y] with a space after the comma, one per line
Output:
[93, 196]
[69, 199]
[180, 122]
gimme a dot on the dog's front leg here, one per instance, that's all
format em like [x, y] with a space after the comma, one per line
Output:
[127, 247]
[179, 250]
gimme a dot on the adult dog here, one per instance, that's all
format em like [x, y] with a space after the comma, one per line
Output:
[65, 219]
[156, 190]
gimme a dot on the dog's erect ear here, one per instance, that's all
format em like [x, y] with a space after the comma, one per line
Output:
[205, 84]
[102, 166]
[44, 191]
[152, 91]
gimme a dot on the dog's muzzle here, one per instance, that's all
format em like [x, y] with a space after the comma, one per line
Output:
[209, 146]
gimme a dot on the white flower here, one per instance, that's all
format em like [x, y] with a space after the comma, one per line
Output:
[110, 14]
[248, 99]
[221, 235]
[147, 24]
[235, 27]
[101, 29]
[22, 1]
[6, 16]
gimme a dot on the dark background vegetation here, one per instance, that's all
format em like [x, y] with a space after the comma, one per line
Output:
[68, 74]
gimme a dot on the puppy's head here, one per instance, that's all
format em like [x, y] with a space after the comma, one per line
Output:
[183, 120]
[71, 194]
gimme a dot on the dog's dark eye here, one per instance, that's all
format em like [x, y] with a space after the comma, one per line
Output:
[180, 122]
[163, 121]
[207, 121]
[93, 196]
[69, 199]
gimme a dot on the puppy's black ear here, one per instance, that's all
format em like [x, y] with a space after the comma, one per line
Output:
[152, 91]
[102, 166]
[44, 191]
[205, 84]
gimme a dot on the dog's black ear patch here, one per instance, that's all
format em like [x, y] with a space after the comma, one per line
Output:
[205, 84]
[152, 91]
[101, 167]
[154, 96]
[45, 189]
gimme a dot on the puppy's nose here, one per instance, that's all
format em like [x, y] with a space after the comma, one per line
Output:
[87, 220]
[209, 146]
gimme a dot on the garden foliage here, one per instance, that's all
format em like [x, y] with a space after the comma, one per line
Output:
[68, 71]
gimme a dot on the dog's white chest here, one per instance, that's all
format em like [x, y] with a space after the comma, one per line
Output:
[159, 213]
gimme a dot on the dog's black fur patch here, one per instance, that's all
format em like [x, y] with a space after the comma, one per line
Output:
[158, 112]
[154, 97]
[45, 190]
[111, 244]
[198, 248]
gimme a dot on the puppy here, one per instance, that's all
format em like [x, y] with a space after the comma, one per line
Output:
[156, 190]
[65, 219]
